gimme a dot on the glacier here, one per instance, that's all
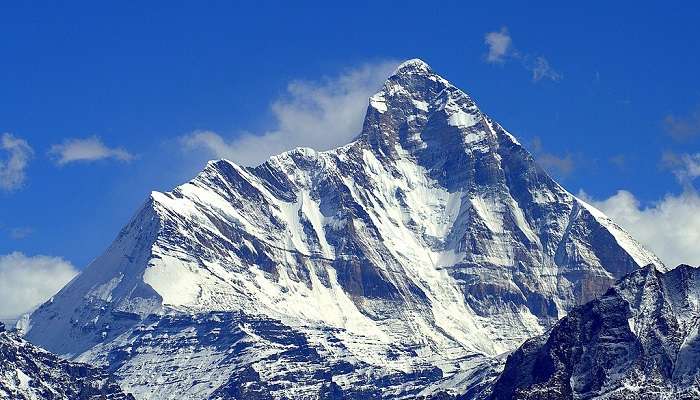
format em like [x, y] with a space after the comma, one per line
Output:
[406, 263]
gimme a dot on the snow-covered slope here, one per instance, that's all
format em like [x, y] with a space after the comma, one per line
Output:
[403, 262]
[639, 341]
[30, 373]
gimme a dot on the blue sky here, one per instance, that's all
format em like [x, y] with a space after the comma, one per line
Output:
[104, 102]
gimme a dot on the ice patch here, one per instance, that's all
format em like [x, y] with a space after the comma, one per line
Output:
[421, 105]
[462, 119]
[378, 102]
[24, 380]
[474, 137]
[174, 280]
[104, 291]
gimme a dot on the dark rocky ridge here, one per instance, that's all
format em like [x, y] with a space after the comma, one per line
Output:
[638, 341]
[28, 372]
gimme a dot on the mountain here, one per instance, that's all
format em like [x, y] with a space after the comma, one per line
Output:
[638, 341]
[28, 372]
[401, 264]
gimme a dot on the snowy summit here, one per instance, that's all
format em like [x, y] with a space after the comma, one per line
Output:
[415, 256]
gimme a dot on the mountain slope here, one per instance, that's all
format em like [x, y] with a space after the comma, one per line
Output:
[28, 372]
[421, 250]
[639, 341]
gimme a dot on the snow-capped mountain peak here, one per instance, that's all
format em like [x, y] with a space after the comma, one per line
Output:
[415, 254]
[412, 65]
[414, 98]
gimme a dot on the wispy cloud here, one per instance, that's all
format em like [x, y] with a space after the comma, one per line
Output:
[669, 227]
[686, 167]
[559, 166]
[87, 150]
[501, 49]
[320, 114]
[27, 281]
[540, 68]
[683, 128]
[15, 154]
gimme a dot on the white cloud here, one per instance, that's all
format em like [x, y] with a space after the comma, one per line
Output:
[26, 282]
[13, 165]
[669, 227]
[318, 114]
[88, 149]
[499, 44]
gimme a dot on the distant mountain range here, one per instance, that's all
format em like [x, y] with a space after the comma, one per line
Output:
[407, 263]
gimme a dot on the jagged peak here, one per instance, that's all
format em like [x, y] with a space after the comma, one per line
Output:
[412, 66]
[409, 97]
[416, 81]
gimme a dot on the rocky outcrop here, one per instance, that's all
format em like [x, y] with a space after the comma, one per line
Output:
[28, 372]
[638, 341]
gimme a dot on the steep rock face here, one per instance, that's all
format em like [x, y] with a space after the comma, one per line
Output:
[421, 250]
[28, 372]
[638, 341]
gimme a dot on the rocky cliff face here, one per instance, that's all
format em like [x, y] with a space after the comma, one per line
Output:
[399, 264]
[638, 341]
[28, 372]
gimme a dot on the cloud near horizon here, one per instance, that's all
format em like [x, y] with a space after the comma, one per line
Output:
[14, 163]
[28, 281]
[319, 114]
[501, 49]
[87, 150]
